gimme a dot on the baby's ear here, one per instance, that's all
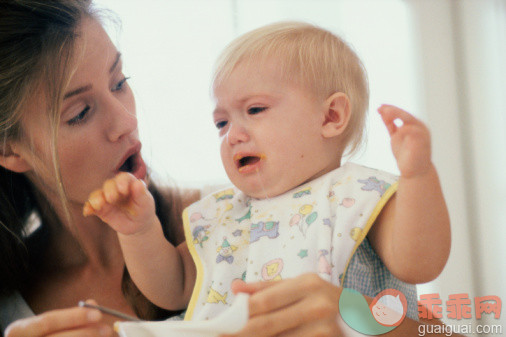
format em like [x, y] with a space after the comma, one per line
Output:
[11, 159]
[337, 114]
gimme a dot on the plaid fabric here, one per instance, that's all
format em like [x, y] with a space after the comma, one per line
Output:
[368, 275]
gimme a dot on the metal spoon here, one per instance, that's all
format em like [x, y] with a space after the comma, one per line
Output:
[109, 311]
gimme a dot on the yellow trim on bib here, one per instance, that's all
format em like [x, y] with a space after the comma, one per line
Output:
[198, 265]
[376, 211]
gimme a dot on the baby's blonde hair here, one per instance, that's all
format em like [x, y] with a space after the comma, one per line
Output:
[311, 57]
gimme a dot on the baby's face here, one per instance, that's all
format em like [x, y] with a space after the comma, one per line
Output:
[271, 131]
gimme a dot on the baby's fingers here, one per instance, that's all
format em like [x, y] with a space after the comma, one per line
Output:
[390, 114]
[88, 209]
[133, 194]
[114, 192]
[124, 181]
[110, 190]
[140, 193]
[95, 203]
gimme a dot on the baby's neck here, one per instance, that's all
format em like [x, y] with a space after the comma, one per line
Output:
[267, 196]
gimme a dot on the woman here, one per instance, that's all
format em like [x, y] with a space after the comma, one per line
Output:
[68, 123]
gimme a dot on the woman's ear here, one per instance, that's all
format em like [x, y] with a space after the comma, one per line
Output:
[337, 114]
[11, 159]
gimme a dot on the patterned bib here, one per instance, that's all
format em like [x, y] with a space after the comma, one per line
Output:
[315, 227]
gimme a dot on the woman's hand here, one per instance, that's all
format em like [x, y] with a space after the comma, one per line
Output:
[73, 322]
[303, 306]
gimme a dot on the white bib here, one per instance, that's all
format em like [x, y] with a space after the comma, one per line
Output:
[315, 227]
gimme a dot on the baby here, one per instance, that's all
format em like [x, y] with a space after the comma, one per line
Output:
[291, 101]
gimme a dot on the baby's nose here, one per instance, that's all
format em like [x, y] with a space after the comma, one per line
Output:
[237, 134]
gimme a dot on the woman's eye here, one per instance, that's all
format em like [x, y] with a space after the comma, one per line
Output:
[256, 109]
[221, 124]
[119, 86]
[79, 118]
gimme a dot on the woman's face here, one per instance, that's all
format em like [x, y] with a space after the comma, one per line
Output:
[98, 134]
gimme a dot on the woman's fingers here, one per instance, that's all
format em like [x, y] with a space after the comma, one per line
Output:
[101, 330]
[239, 286]
[53, 322]
[314, 310]
[265, 297]
[319, 328]
[279, 295]
[300, 306]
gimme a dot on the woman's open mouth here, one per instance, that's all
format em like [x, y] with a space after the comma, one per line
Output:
[129, 165]
[135, 165]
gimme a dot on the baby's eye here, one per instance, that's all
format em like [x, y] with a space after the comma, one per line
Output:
[119, 86]
[221, 124]
[256, 109]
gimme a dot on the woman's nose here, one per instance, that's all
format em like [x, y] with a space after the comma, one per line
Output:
[123, 120]
[237, 134]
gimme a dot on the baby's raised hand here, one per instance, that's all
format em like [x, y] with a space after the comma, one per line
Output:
[410, 141]
[124, 203]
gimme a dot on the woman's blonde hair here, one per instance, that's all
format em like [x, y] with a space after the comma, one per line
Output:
[310, 56]
[36, 57]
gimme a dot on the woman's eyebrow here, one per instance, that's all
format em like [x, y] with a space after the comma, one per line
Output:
[89, 86]
[116, 61]
[77, 91]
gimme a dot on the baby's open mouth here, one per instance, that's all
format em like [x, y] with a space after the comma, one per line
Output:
[244, 162]
[248, 160]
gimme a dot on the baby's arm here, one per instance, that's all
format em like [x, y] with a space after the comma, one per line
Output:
[412, 233]
[165, 274]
